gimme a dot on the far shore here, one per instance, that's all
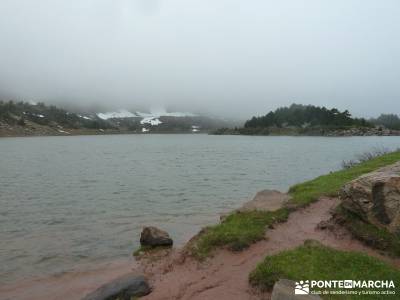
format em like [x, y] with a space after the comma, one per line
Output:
[80, 132]
[77, 132]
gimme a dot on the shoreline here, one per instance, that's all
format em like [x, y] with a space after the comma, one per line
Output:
[75, 284]
[224, 275]
[316, 131]
[315, 223]
[85, 278]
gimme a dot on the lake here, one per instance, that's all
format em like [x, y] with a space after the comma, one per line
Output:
[66, 202]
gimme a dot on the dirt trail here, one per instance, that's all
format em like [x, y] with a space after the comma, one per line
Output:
[225, 276]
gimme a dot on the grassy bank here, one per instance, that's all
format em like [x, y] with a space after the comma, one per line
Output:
[237, 232]
[329, 185]
[313, 261]
[240, 230]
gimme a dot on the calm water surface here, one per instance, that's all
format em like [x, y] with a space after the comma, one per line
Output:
[70, 201]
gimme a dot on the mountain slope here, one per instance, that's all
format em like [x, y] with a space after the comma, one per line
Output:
[22, 118]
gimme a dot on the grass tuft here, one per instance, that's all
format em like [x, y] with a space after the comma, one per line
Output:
[366, 156]
[237, 232]
[313, 261]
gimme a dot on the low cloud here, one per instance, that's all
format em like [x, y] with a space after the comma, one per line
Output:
[230, 58]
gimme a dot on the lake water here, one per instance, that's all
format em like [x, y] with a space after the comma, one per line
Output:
[72, 201]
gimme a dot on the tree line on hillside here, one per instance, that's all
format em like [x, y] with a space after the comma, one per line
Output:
[303, 116]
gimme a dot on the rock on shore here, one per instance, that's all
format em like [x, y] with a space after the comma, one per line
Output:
[123, 288]
[153, 237]
[375, 197]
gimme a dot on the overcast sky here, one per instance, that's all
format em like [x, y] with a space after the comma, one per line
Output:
[227, 57]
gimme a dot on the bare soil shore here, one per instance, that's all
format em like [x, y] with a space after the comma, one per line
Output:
[174, 275]
[225, 275]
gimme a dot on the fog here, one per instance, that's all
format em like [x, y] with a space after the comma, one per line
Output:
[228, 57]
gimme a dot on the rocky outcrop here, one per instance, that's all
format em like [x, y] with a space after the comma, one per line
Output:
[123, 288]
[363, 131]
[375, 198]
[284, 290]
[154, 237]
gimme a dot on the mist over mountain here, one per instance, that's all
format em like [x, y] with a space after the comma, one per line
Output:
[31, 118]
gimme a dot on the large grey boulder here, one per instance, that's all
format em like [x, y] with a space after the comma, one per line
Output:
[375, 197]
[123, 288]
[284, 289]
[153, 237]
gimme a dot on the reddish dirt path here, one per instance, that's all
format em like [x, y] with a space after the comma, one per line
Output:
[225, 276]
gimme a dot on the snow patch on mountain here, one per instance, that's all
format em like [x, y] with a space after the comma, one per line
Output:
[163, 113]
[152, 118]
[123, 113]
[84, 117]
